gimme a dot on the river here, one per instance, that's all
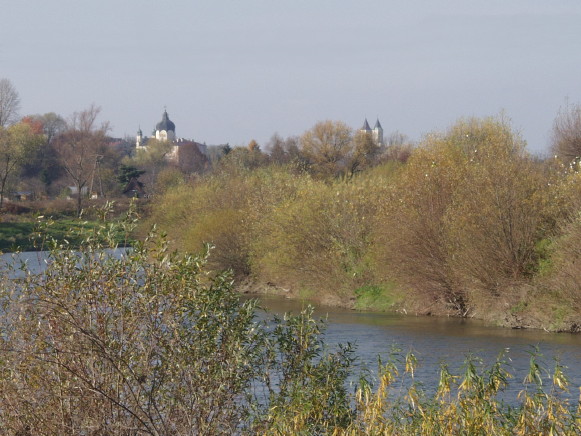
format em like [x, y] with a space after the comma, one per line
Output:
[435, 340]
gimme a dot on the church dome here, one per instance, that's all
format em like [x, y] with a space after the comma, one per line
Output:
[165, 124]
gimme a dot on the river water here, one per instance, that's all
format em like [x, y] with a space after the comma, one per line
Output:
[436, 340]
[433, 340]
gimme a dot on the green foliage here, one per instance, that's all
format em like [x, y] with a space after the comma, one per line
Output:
[126, 173]
[310, 395]
[319, 239]
[242, 158]
[379, 298]
[148, 340]
[28, 236]
[18, 143]
[225, 210]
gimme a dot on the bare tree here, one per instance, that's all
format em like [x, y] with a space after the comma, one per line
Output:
[566, 141]
[365, 150]
[284, 151]
[9, 103]
[79, 148]
[190, 159]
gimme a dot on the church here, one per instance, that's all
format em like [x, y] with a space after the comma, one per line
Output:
[165, 131]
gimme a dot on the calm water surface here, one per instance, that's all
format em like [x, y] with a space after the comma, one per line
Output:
[436, 340]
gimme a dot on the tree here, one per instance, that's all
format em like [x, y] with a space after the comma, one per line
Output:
[17, 144]
[566, 142]
[462, 225]
[44, 164]
[285, 151]
[9, 103]
[80, 148]
[243, 158]
[253, 145]
[127, 172]
[52, 125]
[276, 149]
[327, 146]
[190, 159]
[398, 148]
[153, 158]
[365, 150]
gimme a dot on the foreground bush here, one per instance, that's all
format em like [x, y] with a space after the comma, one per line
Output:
[149, 342]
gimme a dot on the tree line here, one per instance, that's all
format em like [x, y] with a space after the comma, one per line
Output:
[50, 155]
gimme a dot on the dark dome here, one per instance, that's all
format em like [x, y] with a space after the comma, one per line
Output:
[165, 124]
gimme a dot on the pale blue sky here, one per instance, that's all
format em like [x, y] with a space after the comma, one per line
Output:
[230, 71]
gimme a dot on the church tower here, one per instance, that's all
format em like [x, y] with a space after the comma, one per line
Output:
[139, 139]
[377, 133]
[165, 130]
[365, 128]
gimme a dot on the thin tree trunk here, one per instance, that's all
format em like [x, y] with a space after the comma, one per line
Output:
[79, 200]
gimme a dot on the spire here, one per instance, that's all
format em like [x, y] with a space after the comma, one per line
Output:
[378, 125]
[366, 126]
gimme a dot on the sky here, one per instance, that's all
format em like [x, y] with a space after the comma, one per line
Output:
[230, 71]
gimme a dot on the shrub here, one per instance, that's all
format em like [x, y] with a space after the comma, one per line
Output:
[319, 239]
[149, 343]
[136, 343]
[225, 210]
[462, 223]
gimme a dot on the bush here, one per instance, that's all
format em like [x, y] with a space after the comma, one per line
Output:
[225, 210]
[466, 213]
[319, 239]
[148, 343]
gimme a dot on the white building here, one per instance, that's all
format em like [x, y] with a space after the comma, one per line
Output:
[165, 130]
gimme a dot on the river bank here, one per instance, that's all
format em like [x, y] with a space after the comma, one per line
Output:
[379, 303]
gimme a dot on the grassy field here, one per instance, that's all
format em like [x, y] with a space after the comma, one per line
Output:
[28, 236]
[22, 230]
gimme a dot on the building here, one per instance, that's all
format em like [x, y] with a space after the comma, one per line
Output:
[164, 131]
[376, 133]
